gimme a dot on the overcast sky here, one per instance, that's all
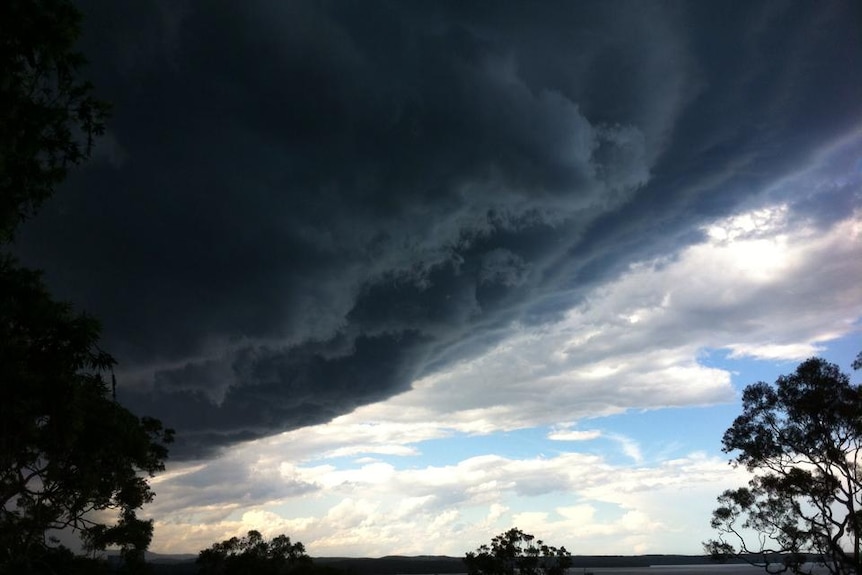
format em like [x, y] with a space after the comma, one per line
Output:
[403, 275]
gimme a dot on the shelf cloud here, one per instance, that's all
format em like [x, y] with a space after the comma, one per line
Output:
[304, 208]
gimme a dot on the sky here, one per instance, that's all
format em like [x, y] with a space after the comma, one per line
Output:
[403, 275]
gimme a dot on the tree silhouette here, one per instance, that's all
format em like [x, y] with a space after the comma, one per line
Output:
[68, 452]
[48, 114]
[802, 439]
[254, 554]
[514, 552]
[71, 458]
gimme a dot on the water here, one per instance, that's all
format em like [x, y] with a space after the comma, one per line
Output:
[673, 570]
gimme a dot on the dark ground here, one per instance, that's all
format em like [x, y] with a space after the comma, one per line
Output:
[434, 565]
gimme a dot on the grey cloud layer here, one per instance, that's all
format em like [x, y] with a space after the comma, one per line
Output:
[304, 206]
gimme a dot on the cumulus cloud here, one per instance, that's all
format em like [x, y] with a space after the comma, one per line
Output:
[378, 509]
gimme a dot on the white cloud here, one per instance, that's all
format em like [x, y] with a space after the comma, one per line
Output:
[378, 509]
[629, 446]
[575, 435]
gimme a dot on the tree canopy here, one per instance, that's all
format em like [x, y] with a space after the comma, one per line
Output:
[801, 439]
[517, 552]
[49, 115]
[253, 554]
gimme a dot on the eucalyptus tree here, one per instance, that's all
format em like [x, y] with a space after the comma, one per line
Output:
[515, 552]
[801, 440]
[254, 554]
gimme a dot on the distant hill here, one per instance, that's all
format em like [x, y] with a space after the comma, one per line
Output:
[439, 564]
[177, 558]
[394, 565]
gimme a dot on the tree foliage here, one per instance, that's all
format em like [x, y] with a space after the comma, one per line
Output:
[517, 552]
[48, 114]
[254, 554]
[70, 456]
[801, 438]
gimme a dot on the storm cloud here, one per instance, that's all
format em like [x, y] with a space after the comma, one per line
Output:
[304, 207]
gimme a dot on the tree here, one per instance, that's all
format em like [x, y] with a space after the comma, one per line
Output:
[517, 552]
[48, 114]
[71, 457]
[801, 439]
[254, 554]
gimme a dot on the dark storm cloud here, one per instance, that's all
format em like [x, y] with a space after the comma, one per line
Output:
[303, 206]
